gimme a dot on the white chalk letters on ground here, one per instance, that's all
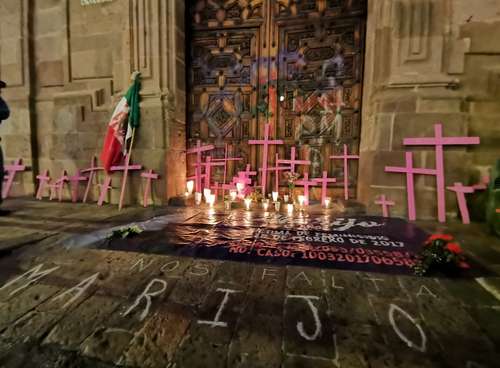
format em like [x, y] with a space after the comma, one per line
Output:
[77, 290]
[300, 325]
[216, 322]
[422, 347]
[30, 276]
[147, 294]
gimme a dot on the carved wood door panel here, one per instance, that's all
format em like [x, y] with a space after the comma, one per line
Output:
[296, 64]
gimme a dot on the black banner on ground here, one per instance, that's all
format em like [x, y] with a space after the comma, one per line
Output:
[371, 244]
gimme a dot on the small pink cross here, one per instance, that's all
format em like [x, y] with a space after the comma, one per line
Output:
[208, 164]
[104, 188]
[125, 168]
[385, 205]
[199, 149]
[59, 184]
[292, 161]
[324, 184]
[92, 175]
[53, 191]
[346, 157]
[74, 183]
[43, 180]
[460, 190]
[12, 170]
[306, 183]
[410, 171]
[265, 153]
[439, 141]
[149, 176]
[277, 170]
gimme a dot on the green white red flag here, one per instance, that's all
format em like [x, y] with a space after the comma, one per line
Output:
[125, 118]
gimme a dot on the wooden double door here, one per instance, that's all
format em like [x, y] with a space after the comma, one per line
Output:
[295, 64]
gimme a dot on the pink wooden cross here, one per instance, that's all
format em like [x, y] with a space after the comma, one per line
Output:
[385, 205]
[208, 164]
[410, 171]
[11, 174]
[104, 188]
[149, 176]
[199, 149]
[74, 183]
[292, 161]
[277, 170]
[59, 184]
[306, 183]
[226, 159]
[439, 141]
[125, 168]
[346, 157]
[324, 185]
[460, 190]
[92, 175]
[265, 154]
[53, 191]
[43, 180]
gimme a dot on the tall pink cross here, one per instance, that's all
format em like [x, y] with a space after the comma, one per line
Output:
[11, 174]
[277, 170]
[199, 149]
[292, 161]
[104, 188]
[43, 180]
[306, 183]
[385, 205]
[266, 142]
[125, 168]
[149, 176]
[410, 171]
[460, 190]
[74, 183]
[92, 175]
[208, 164]
[324, 180]
[346, 157]
[439, 141]
[59, 184]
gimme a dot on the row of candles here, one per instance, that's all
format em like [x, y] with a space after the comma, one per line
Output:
[234, 194]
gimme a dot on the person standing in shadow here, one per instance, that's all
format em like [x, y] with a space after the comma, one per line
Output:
[4, 115]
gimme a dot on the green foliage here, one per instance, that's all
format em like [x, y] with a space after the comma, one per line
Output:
[125, 232]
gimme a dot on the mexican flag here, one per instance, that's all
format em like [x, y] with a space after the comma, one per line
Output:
[125, 118]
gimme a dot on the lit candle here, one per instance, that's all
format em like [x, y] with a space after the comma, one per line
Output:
[197, 198]
[290, 207]
[211, 200]
[277, 206]
[248, 201]
[206, 194]
[233, 195]
[240, 187]
[301, 200]
[186, 194]
[327, 202]
[275, 196]
[285, 198]
[265, 205]
[190, 187]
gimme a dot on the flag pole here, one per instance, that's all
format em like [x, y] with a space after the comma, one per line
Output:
[133, 77]
[125, 172]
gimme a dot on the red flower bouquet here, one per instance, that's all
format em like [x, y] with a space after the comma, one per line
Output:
[440, 250]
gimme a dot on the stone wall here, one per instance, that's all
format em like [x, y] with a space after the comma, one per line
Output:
[67, 65]
[429, 61]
